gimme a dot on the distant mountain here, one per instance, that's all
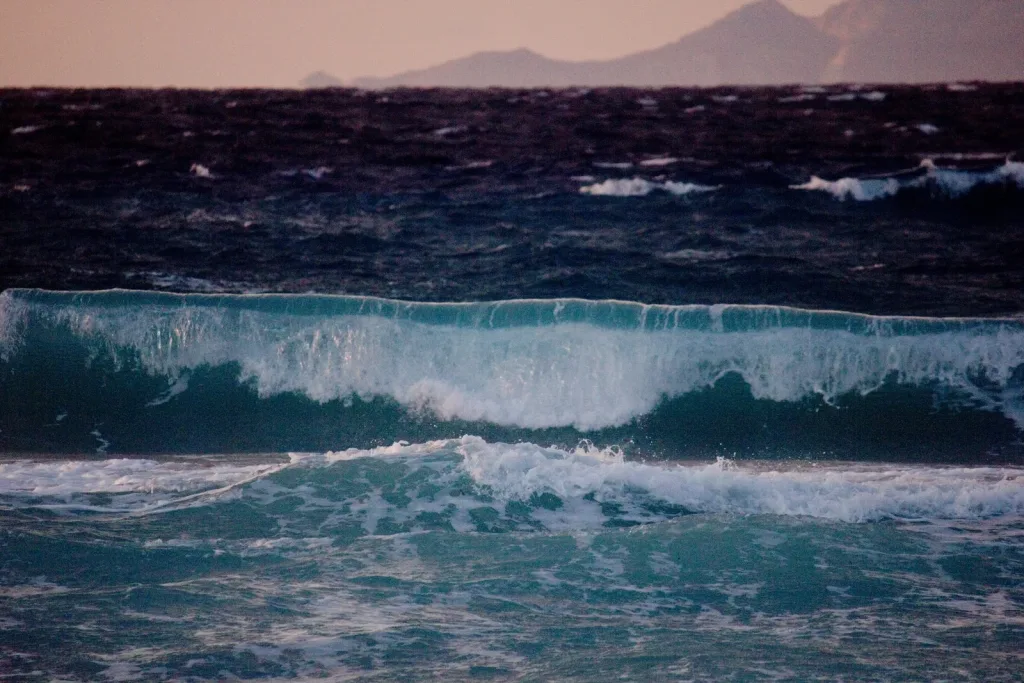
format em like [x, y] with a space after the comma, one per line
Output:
[760, 43]
[515, 69]
[921, 41]
[321, 79]
[764, 43]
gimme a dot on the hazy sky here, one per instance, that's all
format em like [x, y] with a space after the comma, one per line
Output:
[218, 43]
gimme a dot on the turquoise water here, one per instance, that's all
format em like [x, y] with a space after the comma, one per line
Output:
[206, 487]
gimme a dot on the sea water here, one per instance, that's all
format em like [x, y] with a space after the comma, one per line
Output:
[605, 417]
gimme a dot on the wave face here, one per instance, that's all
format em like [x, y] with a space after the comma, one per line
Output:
[935, 180]
[117, 361]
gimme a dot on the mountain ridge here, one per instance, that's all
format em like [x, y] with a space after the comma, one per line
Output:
[765, 43]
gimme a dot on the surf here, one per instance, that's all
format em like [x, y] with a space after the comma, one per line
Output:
[469, 484]
[114, 361]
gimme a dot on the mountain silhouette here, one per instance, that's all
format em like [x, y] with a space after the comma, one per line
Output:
[759, 44]
[764, 43]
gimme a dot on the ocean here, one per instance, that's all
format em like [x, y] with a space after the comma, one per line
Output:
[689, 385]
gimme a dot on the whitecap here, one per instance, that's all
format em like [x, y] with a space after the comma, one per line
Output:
[805, 97]
[658, 162]
[695, 255]
[449, 130]
[639, 187]
[947, 182]
[853, 188]
[200, 171]
[470, 166]
[319, 172]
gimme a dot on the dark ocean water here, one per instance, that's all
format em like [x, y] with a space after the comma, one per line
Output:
[545, 385]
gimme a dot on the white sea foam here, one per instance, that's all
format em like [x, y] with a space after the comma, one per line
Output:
[67, 479]
[586, 481]
[862, 190]
[949, 182]
[25, 130]
[846, 493]
[449, 130]
[805, 97]
[471, 166]
[658, 162]
[200, 171]
[873, 96]
[695, 255]
[639, 187]
[319, 172]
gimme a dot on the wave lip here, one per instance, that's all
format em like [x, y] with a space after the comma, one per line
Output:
[638, 187]
[944, 182]
[530, 364]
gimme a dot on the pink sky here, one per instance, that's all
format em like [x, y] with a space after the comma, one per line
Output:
[222, 43]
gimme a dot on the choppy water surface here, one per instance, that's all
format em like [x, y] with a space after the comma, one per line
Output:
[502, 385]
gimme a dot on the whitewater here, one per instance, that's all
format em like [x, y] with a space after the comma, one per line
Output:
[548, 478]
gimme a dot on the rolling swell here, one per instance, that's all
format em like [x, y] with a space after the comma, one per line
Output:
[123, 371]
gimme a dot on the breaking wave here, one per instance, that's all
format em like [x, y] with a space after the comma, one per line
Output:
[936, 180]
[528, 364]
[638, 187]
[469, 484]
